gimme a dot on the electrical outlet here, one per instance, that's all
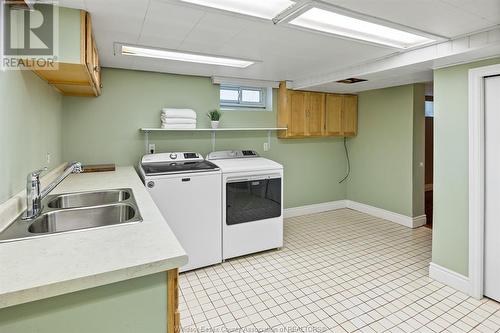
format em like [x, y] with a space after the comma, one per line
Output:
[152, 148]
[48, 158]
[266, 146]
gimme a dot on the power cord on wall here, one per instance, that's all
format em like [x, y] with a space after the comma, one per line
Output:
[348, 161]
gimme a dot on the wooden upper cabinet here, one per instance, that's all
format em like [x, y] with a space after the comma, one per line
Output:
[302, 112]
[333, 112]
[297, 103]
[78, 70]
[314, 114]
[350, 115]
[92, 56]
[315, 111]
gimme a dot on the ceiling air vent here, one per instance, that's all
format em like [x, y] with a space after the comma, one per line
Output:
[351, 80]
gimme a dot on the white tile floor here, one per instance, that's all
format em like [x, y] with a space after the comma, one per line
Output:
[339, 271]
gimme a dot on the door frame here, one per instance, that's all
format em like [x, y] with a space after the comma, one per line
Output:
[476, 177]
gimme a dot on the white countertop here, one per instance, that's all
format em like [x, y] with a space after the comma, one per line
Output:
[43, 267]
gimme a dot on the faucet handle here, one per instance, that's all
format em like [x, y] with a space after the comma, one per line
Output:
[36, 173]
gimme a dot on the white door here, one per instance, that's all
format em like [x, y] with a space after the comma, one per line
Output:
[492, 189]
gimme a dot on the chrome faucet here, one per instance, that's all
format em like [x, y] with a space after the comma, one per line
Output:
[34, 195]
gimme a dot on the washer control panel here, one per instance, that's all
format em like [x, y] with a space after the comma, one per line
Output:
[171, 157]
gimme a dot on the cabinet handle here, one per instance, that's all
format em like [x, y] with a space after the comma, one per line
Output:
[96, 68]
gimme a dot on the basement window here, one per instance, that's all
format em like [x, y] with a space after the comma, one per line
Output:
[238, 97]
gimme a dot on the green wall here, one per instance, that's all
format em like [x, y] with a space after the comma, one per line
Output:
[30, 127]
[137, 305]
[450, 236]
[106, 129]
[390, 124]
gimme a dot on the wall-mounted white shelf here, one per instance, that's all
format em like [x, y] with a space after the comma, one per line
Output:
[147, 130]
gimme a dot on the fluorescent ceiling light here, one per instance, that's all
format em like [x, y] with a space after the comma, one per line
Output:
[330, 22]
[183, 56]
[261, 8]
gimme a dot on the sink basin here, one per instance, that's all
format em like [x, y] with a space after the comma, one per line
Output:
[85, 199]
[72, 212]
[82, 218]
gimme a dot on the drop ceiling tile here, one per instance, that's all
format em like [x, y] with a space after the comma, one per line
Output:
[486, 9]
[214, 30]
[117, 16]
[169, 22]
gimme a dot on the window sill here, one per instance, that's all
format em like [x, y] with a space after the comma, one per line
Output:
[245, 109]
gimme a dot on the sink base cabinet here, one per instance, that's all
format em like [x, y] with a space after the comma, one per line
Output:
[143, 304]
[173, 315]
[314, 114]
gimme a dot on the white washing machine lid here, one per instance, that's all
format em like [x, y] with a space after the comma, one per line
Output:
[172, 163]
[247, 164]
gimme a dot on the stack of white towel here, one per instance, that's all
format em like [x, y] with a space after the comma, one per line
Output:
[178, 118]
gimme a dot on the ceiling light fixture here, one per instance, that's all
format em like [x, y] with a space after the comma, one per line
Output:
[342, 25]
[184, 56]
[292, 11]
[264, 9]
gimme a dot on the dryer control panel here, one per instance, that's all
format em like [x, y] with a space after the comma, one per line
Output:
[227, 154]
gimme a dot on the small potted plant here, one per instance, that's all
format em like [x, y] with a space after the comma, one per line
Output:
[214, 117]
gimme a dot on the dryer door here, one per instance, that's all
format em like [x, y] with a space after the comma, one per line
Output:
[254, 199]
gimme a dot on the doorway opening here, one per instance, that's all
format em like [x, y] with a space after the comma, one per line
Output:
[429, 152]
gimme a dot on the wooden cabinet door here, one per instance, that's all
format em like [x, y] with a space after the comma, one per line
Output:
[297, 118]
[315, 113]
[96, 70]
[92, 56]
[350, 115]
[173, 315]
[88, 43]
[333, 115]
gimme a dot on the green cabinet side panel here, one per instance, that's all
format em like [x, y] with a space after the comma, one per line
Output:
[137, 305]
[450, 234]
[69, 35]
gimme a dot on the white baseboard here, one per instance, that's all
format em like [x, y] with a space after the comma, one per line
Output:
[315, 208]
[449, 277]
[419, 221]
[407, 221]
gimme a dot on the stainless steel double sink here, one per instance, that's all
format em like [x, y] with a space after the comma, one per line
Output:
[77, 211]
